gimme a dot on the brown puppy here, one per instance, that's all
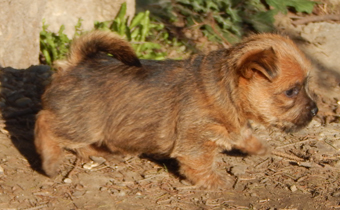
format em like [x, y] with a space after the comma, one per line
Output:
[188, 110]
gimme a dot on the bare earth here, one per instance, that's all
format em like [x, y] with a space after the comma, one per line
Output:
[302, 172]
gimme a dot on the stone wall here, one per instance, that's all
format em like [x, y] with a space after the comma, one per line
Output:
[21, 22]
[67, 12]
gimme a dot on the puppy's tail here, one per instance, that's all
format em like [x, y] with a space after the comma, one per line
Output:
[89, 45]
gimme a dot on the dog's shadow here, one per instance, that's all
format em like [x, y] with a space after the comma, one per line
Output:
[21, 92]
[172, 165]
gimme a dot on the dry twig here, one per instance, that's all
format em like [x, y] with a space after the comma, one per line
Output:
[310, 19]
[288, 156]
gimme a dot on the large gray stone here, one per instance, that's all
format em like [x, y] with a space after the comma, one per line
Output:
[21, 23]
[67, 12]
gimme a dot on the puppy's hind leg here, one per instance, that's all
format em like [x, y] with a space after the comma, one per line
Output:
[47, 144]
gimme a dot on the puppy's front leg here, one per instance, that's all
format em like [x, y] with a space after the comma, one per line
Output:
[248, 143]
[198, 165]
[252, 146]
[47, 144]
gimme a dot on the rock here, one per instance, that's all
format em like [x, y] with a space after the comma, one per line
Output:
[23, 102]
[121, 193]
[293, 188]
[98, 160]
[21, 23]
[103, 188]
[67, 13]
[67, 180]
[238, 170]
[2, 103]
[6, 92]
[90, 165]
[78, 193]
[15, 96]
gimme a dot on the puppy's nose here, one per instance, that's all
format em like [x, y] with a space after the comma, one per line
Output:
[314, 110]
[312, 107]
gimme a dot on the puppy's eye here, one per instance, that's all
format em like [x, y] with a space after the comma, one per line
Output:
[292, 92]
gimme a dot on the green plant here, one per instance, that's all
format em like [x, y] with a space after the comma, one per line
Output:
[146, 37]
[229, 20]
[54, 46]
[262, 19]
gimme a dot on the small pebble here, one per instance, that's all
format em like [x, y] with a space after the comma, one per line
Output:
[103, 188]
[1, 170]
[293, 188]
[321, 136]
[306, 164]
[2, 104]
[99, 160]
[90, 165]
[6, 91]
[337, 164]
[67, 180]
[253, 195]
[122, 193]
[238, 170]
[78, 193]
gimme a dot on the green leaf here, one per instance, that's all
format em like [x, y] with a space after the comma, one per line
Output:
[47, 56]
[233, 14]
[145, 23]
[224, 22]
[212, 5]
[102, 25]
[151, 45]
[122, 11]
[136, 20]
[299, 5]
[302, 5]
[279, 5]
[263, 21]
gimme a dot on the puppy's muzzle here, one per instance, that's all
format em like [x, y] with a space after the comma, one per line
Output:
[313, 108]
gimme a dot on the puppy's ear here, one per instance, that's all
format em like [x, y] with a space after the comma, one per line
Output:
[264, 61]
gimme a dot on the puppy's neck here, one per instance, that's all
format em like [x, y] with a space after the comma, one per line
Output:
[220, 82]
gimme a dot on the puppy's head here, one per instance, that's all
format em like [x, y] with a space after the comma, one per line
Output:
[273, 81]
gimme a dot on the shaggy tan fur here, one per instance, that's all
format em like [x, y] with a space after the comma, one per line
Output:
[186, 109]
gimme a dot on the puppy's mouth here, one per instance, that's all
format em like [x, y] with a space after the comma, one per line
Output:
[292, 129]
[301, 121]
[289, 127]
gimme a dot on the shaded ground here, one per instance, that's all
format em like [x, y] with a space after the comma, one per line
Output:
[302, 172]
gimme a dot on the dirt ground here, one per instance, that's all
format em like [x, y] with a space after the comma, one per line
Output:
[301, 173]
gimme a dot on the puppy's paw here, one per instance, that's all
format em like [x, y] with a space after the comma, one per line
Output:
[216, 181]
[252, 146]
[51, 166]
